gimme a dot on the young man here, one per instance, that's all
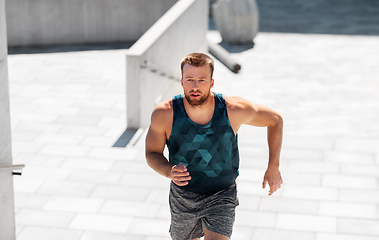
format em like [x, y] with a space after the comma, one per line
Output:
[200, 129]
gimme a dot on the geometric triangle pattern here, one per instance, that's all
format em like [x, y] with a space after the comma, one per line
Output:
[210, 151]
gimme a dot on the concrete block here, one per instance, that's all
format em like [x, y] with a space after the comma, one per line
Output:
[237, 20]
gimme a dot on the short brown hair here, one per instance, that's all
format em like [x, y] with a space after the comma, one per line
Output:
[198, 60]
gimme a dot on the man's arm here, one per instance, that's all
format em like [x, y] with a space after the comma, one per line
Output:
[262, 116]
[265, 117]
[155, 142]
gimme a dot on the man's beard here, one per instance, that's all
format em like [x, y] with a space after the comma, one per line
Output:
[196, 102]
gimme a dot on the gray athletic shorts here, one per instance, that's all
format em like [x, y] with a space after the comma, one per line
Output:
[191, 212]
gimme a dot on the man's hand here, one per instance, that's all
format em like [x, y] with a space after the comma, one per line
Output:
[274, 180]
[179, 175]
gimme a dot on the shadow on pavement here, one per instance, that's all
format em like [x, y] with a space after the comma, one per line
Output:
[69, 48]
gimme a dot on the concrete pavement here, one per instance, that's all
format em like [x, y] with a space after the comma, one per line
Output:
[68, 109]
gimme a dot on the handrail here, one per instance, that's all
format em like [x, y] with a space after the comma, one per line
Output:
[159, 69]
[12, 167]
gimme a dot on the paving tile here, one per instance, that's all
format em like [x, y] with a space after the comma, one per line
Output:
[304, 222]
[99, 141]
[87, 164]
[131, 166]
[284, 205]
[355, 210]
[29, 217]
[299, 178]
[348, 157]
[309, 192]
[358, 196]
[255, 218]
[24, 185]
[128, 193]
[269, 234]
[360, 170]
[48, 233]
[65, 150]
[358, 226]
[91, 235]
[38, 159]
[346, 181]
[101, 177]
[303, 155]
[73, 204]
[67, 188]
[158, 196]
[331, 236]
[307, 143]
[113, 153]
[60, 138]
[150, 226]
[30, 200]
[312, 167]
[254, 189]
[129, 208]
[357, 145]
[242, 233]
[145, 180]
[45, 173]
[248, 202]
[100, 222]
[249, 174]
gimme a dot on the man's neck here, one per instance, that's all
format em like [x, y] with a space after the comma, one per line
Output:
[202, 113]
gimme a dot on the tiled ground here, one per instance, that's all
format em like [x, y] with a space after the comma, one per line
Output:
[68, 109]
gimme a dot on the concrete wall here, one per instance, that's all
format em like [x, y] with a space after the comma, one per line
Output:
[7, 220]
[157, 54]
[46, 22]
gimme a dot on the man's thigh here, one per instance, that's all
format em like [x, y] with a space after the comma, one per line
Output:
[209, 235]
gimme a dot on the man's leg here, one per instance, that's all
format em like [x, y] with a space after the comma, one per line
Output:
[209, 235]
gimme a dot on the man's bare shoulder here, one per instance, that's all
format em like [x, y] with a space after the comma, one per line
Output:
[237, 103]
[163, 112]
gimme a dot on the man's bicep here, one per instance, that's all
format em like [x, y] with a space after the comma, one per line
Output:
[156, 135]
[155, 140]
[262, 116]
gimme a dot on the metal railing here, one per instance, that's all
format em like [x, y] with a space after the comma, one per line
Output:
[13, 168]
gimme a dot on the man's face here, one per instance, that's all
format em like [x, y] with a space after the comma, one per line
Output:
[196, 83]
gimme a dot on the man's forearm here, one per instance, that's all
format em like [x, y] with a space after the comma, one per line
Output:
[159, 163]
[274, 139]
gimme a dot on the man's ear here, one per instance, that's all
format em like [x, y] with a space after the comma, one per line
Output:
[181, 81]
[212, 83]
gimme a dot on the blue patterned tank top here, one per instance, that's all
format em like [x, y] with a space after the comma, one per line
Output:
[210, 151]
